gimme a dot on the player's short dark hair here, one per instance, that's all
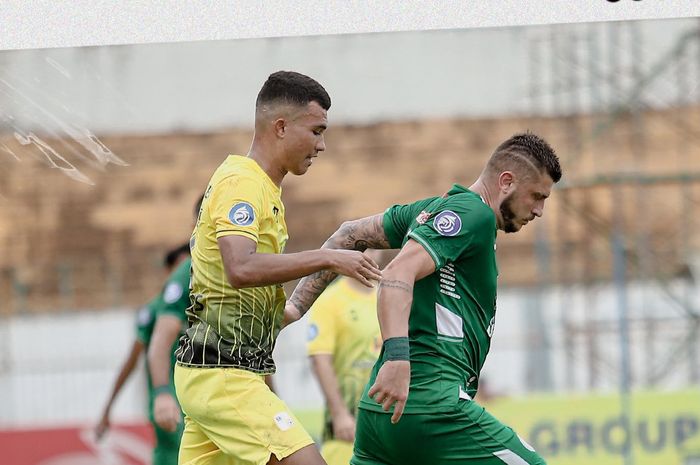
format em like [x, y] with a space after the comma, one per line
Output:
[526, 149]
[172, 255]
[292, 88]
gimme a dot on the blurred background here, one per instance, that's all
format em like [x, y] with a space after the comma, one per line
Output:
[595, 357]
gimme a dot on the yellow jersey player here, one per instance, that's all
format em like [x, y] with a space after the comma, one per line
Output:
[343, 343]
[237, 300]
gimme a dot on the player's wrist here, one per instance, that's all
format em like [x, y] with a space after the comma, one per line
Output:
[396, 348]
[162, 389]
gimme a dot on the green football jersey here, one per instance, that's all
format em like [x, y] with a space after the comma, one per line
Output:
[453, 310]
[175, 299]
[146, 320]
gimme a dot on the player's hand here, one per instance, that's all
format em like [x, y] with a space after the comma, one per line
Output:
[166, 412]
[291, 314]
[391, 386]
[102, 427]
[355, 264]
[344, 427]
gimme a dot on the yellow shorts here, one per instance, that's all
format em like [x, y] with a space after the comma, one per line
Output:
[337, 452]
[232, 417]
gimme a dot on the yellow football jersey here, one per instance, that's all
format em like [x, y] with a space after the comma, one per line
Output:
[343, 322]
[234, 327]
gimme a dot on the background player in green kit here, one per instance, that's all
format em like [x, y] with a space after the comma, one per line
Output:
[436, 307]
[167, 443]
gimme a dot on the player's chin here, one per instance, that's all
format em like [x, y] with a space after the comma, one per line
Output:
[303, 167]
[299, 170]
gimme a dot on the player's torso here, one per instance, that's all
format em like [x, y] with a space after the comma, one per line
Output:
[451, 321]
[236, 327]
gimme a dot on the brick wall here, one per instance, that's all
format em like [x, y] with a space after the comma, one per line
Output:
[67, 244]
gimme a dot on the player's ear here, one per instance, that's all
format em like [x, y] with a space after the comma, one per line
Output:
[280, 127]
[506, 182]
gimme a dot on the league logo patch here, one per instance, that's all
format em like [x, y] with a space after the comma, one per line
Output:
[144, 316]
[312, 332]
[172, 292]
[241, 214]
[447, 223]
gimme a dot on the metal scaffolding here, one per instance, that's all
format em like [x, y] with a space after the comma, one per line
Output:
[594, 84]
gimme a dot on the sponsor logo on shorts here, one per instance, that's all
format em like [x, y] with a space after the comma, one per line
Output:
[241, 214]
[283, 421]
[447, 223]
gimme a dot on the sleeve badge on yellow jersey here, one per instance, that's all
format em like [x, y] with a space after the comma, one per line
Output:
[241, 214]
[312, 332]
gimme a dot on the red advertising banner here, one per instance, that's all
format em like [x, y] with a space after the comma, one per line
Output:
[121, 445]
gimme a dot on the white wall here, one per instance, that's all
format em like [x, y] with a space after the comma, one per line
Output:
[203, 86]
[59, 369]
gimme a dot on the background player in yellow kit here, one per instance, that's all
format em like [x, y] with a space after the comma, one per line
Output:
[343, 343]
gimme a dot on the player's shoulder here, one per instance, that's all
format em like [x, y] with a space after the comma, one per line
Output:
[237, 169]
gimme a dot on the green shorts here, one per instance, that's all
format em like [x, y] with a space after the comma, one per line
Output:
[469, 435]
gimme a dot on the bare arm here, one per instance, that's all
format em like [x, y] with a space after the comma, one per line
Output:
[393, 310]
[362, 234]
[166, 411]
[247, 268]
[124, 373]
[343, 421]
[270, 382]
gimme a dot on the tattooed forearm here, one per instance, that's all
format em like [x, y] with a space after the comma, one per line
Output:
[309, 288]
[362, 234]
[395, 284]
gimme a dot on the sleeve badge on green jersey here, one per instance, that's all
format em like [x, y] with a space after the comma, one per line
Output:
[144, 316]
[312, 332]
[241, 214]
[172, 292]
[447, 223]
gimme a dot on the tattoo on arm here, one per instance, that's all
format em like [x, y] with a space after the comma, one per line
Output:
[352, 235]
[362, 234]
[395, 284]
[309, 288]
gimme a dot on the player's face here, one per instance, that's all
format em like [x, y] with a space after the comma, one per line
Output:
[304, 137]
[525, 203]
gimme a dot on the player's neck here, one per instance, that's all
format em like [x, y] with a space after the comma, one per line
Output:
[481, 188]
[264, 157]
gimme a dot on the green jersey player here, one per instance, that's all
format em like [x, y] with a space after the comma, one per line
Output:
[436, 307]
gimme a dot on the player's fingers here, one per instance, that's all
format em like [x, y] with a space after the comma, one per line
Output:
[388, 402]
[363, 280]
[380, 397]
[398, 411]
[372, 273]
[371, 262]
[373, 390]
